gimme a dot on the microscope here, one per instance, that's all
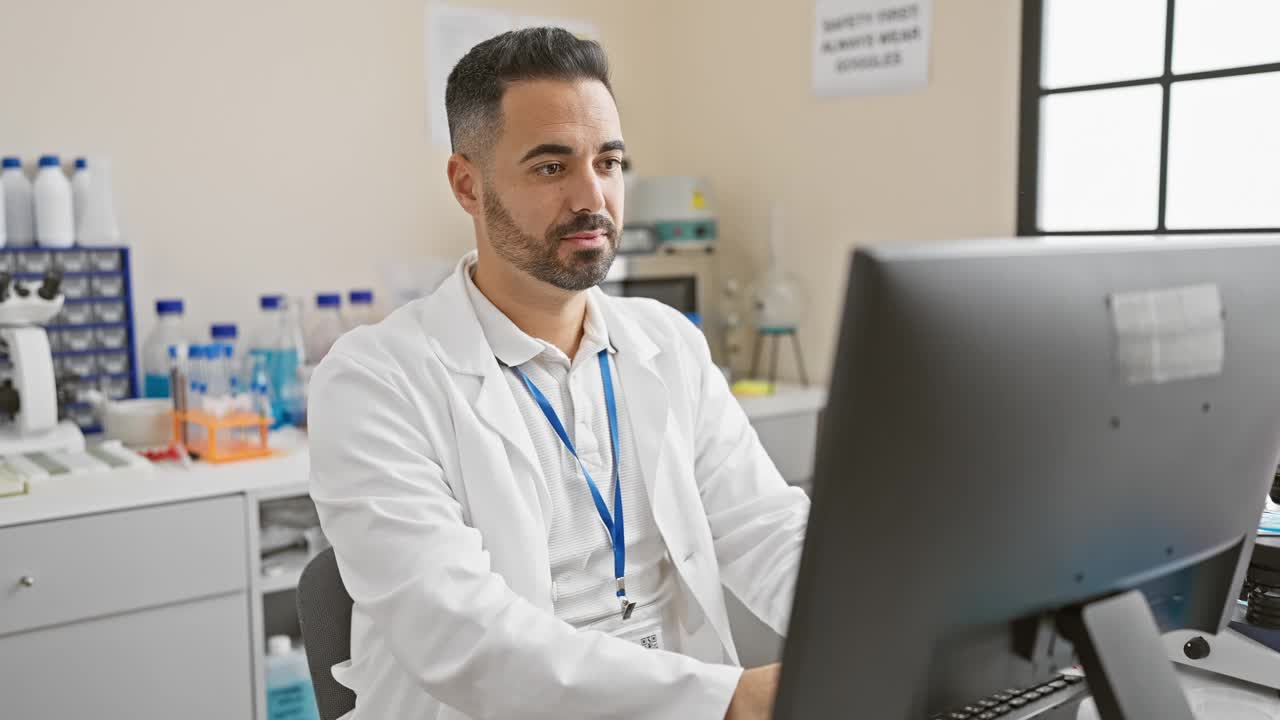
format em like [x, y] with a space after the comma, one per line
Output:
[1249, 648]
[29, 400]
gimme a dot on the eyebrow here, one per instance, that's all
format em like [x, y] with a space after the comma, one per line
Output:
[555, 149]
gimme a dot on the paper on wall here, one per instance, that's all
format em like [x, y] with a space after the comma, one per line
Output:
[450, 33]
[865, 47]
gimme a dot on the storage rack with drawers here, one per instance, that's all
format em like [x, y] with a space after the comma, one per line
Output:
[92, 339]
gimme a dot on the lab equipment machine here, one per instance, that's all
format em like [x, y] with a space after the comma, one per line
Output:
[669, 212]
[1036, 452]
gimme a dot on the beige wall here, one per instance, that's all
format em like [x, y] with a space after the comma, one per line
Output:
[732, 89]
[282, 145]
[256, 146]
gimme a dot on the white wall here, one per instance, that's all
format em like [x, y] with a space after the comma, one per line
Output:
[730, 89]
[257, 146]
[282, 145]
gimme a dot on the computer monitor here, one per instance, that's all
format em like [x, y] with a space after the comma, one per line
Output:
[1031, 441]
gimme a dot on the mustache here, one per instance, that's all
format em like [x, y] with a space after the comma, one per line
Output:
[584, 223]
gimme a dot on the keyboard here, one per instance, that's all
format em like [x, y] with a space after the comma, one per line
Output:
[1019, 703]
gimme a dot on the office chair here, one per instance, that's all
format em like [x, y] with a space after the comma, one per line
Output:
[324, 611]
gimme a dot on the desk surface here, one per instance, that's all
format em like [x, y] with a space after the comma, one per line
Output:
[56, 498]
[1214, 697]
[284, 474]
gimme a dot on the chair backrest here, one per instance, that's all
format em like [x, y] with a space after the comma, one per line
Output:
[324, 611]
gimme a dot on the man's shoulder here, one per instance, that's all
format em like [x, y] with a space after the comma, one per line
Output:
[388, 349]
[661, 323]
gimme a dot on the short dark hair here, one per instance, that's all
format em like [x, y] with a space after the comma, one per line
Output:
[473, 96]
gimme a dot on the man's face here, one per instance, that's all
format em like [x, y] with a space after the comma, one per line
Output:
[552, 194]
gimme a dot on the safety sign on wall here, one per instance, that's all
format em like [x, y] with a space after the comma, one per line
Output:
[867, 47]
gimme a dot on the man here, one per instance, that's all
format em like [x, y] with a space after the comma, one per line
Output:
[536, 492]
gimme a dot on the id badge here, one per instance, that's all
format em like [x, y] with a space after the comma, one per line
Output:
[647, 633]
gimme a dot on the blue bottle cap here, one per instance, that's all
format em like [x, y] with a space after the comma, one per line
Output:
[223, 331]
[169, 307]
[361, 297]
[11, 162]
[81, 163]
[270, 302]
[50, 161]
[325, 300]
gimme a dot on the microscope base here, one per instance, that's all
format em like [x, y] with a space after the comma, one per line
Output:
[65, 436]
[1230, 653]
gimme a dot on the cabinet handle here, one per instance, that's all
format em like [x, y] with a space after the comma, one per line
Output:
[27, 581]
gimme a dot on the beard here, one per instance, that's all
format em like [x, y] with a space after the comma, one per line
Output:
[540, 257]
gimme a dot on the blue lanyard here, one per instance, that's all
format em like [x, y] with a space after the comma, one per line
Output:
[612, 521]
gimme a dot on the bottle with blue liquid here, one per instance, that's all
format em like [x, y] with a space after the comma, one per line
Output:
[155, 351]
[290, 694]
[276, 349]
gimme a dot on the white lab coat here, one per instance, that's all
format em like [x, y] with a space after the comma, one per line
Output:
[429, 488]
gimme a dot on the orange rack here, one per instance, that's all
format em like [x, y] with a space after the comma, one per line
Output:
[239, 436]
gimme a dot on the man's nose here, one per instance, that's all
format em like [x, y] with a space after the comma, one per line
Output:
[586, 194]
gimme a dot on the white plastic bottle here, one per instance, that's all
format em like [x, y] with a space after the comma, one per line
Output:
[155, 351]
[324, 326]
[360, 310]
[80, 189]
[99, 226]
[55, 212]
[19, 207]
[290, 695]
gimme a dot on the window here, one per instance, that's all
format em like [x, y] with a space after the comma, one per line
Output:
[1149, 116]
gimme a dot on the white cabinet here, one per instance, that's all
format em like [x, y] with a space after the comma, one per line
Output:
[787, 424]
[189, 660]
[134, 614]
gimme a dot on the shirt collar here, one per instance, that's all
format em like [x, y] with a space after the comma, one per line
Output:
[514, 347]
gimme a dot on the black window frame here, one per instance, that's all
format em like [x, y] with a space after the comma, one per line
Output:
[1031, 94]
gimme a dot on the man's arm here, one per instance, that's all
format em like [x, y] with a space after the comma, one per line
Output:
[757, 520]
[423, 576]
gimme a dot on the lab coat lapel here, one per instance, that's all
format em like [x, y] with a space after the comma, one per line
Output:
[497, 408]
[452, 326]
[640, 363]
[646, 399]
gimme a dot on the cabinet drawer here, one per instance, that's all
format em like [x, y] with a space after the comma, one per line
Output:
[189, 661]
[114, 562]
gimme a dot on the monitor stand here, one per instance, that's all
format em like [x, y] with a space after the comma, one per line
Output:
[1129, 671]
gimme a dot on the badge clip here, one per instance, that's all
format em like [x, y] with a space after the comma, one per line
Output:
[627, 607]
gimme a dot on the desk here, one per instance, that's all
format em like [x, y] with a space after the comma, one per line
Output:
[1214, 697]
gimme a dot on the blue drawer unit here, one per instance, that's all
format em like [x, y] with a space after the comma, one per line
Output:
[93, 338]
